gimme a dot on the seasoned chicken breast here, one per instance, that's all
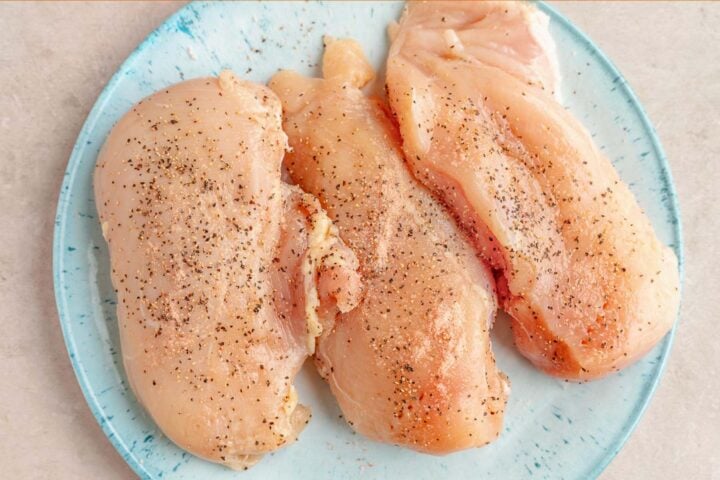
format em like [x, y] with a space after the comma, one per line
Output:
[589, 286]
[412, 364]
[224, 275]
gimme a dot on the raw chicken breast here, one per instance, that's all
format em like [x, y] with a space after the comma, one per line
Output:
[412, 364]
[223, 274]
[588, 284]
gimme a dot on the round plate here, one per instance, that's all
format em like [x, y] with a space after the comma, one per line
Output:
[553, 429]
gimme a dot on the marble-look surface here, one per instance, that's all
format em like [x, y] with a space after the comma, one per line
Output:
[57, 57]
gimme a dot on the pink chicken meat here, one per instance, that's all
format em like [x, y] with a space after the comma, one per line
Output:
[588, 285]
[412, 364]
[224, 274]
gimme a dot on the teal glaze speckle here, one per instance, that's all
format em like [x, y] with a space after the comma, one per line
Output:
[553, 429]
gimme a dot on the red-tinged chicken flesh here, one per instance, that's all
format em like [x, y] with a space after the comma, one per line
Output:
[412, 364]
[224, 275]
[589, 286]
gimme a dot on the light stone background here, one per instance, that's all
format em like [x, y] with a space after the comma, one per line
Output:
[55, 59]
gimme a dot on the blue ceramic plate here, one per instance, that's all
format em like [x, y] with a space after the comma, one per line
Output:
[553, 429]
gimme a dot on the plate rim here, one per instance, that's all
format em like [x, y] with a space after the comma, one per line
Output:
[59, 240]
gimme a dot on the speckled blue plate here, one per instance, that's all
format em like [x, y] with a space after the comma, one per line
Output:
[553, 429]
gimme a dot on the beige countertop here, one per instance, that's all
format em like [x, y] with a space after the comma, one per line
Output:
[55, 59]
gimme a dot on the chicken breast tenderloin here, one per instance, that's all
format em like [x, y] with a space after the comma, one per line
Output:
[588, 284]
[224, 275]
[412, 364]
